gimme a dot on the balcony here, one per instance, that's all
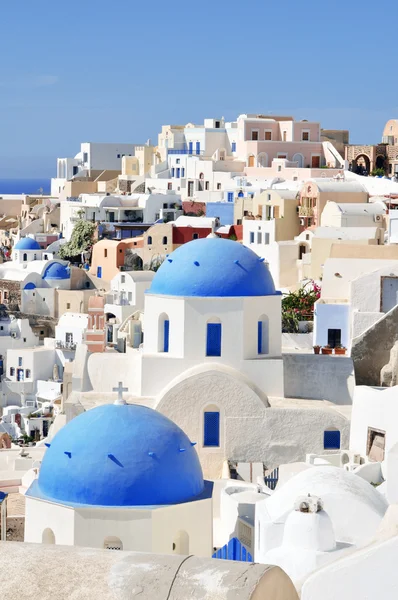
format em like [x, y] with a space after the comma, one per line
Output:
[306, 211]
[61, 345]
[192, 152]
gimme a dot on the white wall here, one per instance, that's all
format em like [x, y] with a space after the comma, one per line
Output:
[331, 316]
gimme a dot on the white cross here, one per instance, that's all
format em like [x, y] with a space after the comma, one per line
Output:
[120, 389]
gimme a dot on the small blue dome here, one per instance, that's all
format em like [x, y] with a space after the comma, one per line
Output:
[56, 271]
[120, 455]
[30, 286]
[213, 267]
[27, 243]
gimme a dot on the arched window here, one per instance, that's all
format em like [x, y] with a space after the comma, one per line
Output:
[25, 257]
[45, 257]
[213, 337]
[149, 241]
[48, 536]
[164, 241]
[331, 439]
[163, 333]
[211, 427]
[263, 335]
[181, 543]
[113, 543]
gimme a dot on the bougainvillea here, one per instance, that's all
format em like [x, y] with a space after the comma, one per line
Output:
[299, 306]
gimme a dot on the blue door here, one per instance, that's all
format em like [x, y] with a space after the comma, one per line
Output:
[230, 196]
[178, 173]
[99, 272]
[190, 147]
[197, 147]
[213, 347]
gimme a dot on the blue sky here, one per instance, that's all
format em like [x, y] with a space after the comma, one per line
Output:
[116, 71]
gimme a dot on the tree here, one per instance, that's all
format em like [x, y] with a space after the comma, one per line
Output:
[378, 172]
[80, 241]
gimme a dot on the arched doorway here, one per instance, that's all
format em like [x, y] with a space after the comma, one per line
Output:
[250, 160]
[362, 164]
[380, 162]
[181, 543]
[299, 159]
[110, 320]
[48, 536]
[262, 159]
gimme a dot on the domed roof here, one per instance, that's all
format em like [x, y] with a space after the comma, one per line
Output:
[213, 267]
[120, 455]
[27, 243]
[56, 271]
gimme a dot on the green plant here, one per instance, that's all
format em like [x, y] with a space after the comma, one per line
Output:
[299, 306]
[378, 172]
[80, 241]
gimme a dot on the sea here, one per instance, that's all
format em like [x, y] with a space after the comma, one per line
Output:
[25, 186]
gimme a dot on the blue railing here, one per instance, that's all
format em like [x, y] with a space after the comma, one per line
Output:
[192, 152]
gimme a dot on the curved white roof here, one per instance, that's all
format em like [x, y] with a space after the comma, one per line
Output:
[348, 208]
[355, 507]
[334, 185]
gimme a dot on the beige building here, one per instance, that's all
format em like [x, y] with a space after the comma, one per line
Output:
[340, 138]
[74, 301]
[279, 206]
[110, 256]
[316, 193]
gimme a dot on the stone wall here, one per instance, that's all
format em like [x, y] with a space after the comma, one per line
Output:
[371, 350]
[319, 377]
[10, 292]
[194, 208]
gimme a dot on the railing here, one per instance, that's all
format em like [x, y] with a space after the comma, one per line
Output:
[306, 211]
[192, 152]
[65, 345]
[271, 480]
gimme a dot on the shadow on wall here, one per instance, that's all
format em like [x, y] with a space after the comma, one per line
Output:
[317, 377]
[371, 350]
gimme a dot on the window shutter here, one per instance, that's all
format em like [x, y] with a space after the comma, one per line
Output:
[260, 337]
[166, 336]
[211, 429]
[213, 339]
[331, 440]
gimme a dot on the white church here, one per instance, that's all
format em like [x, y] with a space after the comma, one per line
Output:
[211, 361]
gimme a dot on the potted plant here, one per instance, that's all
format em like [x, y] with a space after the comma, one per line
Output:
[327, 350]
[317, 349]
[340, 349]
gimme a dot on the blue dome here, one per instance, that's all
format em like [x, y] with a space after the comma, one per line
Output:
[56, 271]
[213, 267]
[30, 286]
[27, 243]
[120, 455]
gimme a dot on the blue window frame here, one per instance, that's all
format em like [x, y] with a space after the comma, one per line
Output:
[213, 346]
[252, 237]
[197, 147]
[233, 146]
[172, 172]
[178, 173]
[190, 148]
[166, 332]
[99, 272]
[211, 430]
[182, 172]
[230, 196]
[331, 440]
